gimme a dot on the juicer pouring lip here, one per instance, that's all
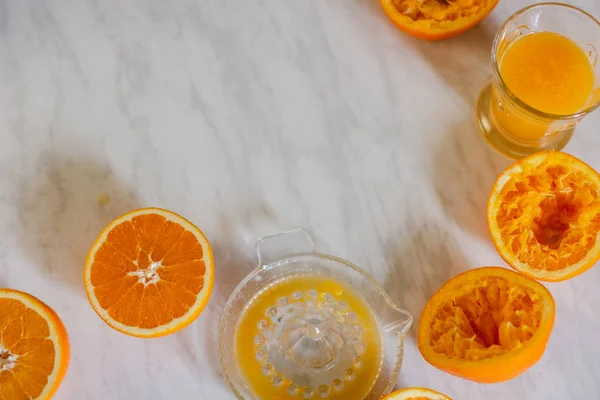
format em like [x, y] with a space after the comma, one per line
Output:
[401, 326]
[299, 241]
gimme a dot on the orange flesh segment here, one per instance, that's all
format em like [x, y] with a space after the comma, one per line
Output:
[549, 72]
[439, 10]
[135, 245]
[24, 333]
[549, 216]
[485, 318]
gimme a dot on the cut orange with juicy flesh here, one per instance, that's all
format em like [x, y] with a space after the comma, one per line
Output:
[487, 325]
[544, 216]
[149, 273]
[416, 393]
[436, 19]
[34, 348]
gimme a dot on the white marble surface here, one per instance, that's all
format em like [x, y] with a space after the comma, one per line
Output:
[249, 118]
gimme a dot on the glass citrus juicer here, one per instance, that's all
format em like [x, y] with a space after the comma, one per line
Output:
[306, 325]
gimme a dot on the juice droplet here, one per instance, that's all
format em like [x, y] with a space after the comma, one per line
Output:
[261, 355]
[323, 391]
[292, 389]
[262, 325]
[357, 362]
[349, 375]
[259, 340]
[282, 302]
[271, 312]
[337, 385]
[103, 199]
[267, 369]
[359, 347]
[297, 296]
[309, 392]
[277, 380]
[327, 297]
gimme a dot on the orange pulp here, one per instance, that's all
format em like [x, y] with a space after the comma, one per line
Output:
[548, 72]
[246, 330]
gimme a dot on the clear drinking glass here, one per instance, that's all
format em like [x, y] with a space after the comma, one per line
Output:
[513, 127]
[292, 254]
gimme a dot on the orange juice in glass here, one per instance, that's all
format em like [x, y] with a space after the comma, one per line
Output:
[545, 79]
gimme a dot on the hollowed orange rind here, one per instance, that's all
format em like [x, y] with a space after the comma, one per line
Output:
[436, 19]
[487, 325]
[543, 214]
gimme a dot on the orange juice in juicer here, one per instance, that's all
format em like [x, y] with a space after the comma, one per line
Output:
[308, 325]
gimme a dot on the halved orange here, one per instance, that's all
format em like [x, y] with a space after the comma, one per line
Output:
[544, 216]
[487, 325]
[34, 348]
[437, 19]
[149, 273]
[416, 393]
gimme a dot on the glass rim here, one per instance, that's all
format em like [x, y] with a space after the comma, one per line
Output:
[509, 92]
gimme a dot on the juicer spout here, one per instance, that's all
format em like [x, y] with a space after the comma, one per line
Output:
[402, 322]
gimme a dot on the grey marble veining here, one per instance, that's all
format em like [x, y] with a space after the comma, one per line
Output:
[250, 118]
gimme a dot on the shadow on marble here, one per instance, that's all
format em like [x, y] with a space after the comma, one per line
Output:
[465, 170]
[235, 257]
[231, 266]
[64, 209]
[197, 356]
[463, 62]
[374, 6]
[420, 265]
